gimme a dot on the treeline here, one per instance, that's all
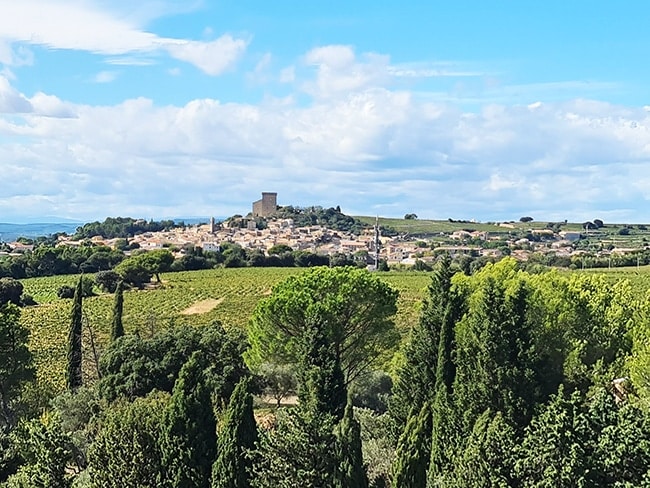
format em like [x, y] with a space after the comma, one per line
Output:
[508, 379]
[47, 260]
[123, 227]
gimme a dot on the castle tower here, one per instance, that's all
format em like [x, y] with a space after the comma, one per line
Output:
[266, 206]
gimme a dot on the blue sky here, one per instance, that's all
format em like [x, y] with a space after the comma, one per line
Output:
[469, 110]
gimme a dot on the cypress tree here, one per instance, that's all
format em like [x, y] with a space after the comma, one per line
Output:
[189, 431]
[322, 384]
[237, 438]
[352, 473]
[74, 377]
[417, 378]
[443, 435]
[117, 330]
[414, 451]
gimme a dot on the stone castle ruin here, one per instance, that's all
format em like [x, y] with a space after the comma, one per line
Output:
[266, 206]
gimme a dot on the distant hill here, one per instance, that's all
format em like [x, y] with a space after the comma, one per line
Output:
[11, 232]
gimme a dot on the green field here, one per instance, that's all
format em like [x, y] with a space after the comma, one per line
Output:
[226, 295]
[607, 234]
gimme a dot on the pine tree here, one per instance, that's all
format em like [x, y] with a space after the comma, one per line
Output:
[117, 330]
[189, 434]
[237, 438]
[414, 451]
[74, 377]
[351, 473]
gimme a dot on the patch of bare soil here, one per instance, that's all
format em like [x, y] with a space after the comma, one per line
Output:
[204, 306]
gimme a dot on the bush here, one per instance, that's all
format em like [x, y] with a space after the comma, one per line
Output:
[372, 391]
[107, 280]
[65, 291]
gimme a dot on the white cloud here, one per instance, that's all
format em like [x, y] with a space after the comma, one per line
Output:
[356, 144]
[105, 77]
[11, 101]
[288, 74]
[103, 29]
[213, 57]
[339, 72]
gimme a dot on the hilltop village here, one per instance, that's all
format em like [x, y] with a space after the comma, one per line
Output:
[516, 239]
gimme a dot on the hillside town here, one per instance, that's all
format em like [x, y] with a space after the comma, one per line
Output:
[393, 248]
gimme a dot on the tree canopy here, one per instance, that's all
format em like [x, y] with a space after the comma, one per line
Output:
[353, 307]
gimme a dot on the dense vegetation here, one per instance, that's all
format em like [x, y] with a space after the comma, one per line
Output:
[332, 218]
[123, 227]
[507, 378]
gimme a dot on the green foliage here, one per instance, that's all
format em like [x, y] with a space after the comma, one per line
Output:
[497, 362]
[554, 450]
[331, 218]
[107, 280]
[300, 449]
[321, 384]
[189, 432]
[47, 451]
[65, 292]
[237, 439]
[416, 379]
[127, 448]
[376, 445]
[414, 451]
[353, 307]
[74, 377]
[351, 472]
[16, 363]
[132, 366]
[278, 380]
[134, 270]
[122, 227]
[488, 458]
[279, 249]
[10, 291]
[372, 390]
[117, 329]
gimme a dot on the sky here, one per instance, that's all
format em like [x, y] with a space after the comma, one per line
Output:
[466, 110]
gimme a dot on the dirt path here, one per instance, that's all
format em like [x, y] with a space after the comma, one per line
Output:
[203, 306]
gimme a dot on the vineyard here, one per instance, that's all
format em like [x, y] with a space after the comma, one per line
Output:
[233, 292]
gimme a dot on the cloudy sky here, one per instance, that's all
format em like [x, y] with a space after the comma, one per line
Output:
[470, 110]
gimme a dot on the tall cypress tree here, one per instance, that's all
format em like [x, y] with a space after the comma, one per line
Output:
[414, 451]
[237, 438]
[444, 432]
[189, 434]
[74, 377]
[303, 446]
[322, 384]
[351, 473]
[416, 381]
[117, 329]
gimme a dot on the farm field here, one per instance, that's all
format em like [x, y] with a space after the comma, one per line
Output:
[192, 297]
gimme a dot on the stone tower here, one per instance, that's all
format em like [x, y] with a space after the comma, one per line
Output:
[266, 206]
